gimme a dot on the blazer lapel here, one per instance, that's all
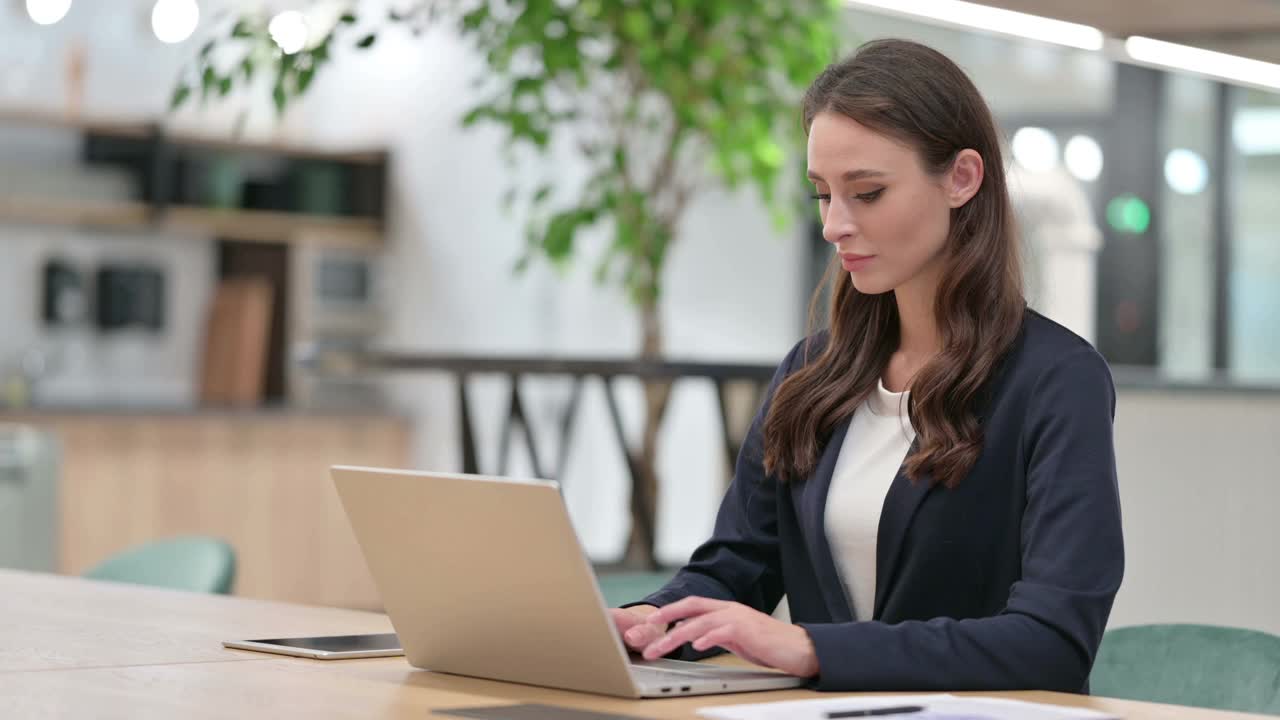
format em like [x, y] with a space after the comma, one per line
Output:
[811, 498]
[900, 505]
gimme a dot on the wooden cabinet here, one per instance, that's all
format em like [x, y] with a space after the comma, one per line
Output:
[256, 479]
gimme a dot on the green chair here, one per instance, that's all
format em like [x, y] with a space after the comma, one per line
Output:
[624, 587]
[1205, 666]
[197, 564]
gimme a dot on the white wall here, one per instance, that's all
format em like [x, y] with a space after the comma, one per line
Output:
[1198, 487]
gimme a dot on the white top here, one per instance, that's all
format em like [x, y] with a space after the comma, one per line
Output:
[880, 435]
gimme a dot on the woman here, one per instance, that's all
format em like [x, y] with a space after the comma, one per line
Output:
[931, 480]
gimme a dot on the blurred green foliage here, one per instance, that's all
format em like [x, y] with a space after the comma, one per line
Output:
[661, 99]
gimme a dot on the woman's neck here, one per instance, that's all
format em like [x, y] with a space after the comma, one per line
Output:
[917, 320]
[918, 336]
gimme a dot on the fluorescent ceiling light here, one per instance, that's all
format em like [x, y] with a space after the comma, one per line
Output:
[1256, 131]
[985, 17]
[1205, 62]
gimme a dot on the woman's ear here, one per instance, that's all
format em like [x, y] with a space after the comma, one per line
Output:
[964, 178]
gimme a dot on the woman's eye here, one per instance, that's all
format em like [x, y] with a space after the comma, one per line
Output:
[825, 197]
[869, 196]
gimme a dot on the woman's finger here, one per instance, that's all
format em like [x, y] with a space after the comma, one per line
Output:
[685, 609]
[721, 636]
[641, 635]
[685, 632]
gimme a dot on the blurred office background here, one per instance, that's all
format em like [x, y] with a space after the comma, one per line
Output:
[163, 365]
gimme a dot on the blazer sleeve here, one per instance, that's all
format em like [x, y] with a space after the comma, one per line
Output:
[1072, 563]
[740, 562]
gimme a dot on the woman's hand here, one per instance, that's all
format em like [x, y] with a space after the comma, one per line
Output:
[636, 633]
[747, 633]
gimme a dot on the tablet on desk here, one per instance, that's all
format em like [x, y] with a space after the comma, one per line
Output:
[331, 647]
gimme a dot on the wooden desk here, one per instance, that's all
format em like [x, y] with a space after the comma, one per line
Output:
[51, 622]
[77, 649]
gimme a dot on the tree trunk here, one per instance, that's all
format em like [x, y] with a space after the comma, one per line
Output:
[644, 493]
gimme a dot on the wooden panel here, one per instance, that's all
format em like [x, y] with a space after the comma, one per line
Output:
[237, 335]
[259, 481]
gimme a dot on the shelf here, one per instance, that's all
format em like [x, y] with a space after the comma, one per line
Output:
[357, 157]
[169, 171]
[267, 226]
[45, 118]
[42, 211]
[185, 139]
[247, 225]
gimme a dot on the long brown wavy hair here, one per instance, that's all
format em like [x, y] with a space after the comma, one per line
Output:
[914, 94]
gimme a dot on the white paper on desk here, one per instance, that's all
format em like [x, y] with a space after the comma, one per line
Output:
[937, 707]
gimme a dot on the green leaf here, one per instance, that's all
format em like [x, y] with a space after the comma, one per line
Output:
[768, 153]
[472, 21]
[557, 243]
[625, 236]
[180, 95]
[527, 85]
[367, 41]
[247, 67]
[279, 97]
[541, 195]
[348, 18]
[241, 29]
[635, 24]
[602, 270]
[305, 77]
[207, 48]
[224, 86]
[208, 80]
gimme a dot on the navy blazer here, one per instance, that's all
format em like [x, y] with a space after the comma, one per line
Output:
[1004, 582]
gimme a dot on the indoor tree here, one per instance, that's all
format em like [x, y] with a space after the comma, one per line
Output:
[661, 99]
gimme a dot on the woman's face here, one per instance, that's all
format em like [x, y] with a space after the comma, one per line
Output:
[886, 216]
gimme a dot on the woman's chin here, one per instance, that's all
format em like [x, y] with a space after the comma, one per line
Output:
[869, 284]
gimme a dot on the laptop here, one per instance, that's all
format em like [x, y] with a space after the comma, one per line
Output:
[485, 577]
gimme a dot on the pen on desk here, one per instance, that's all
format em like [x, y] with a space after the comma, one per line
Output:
[873, 712]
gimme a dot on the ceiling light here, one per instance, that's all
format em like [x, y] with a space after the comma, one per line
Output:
[1256, 131]
[174, 20]
[985, 17]
[1083, 158]
[1035, 149]
[47, 12]
[289, 31]
[1186, 172]
[1205, 62]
